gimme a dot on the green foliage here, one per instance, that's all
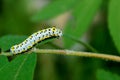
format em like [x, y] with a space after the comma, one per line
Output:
[14, 19]
[114, 21]
[9, 40]
[53, 9]
[3, 61]
[21, 68]
[89, 47]
[84, 13]
[102, 40]
[105, 75]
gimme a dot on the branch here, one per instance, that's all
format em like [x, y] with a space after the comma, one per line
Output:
[74, 53]
[82, 54]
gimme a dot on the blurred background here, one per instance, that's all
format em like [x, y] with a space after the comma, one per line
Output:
[76, 18]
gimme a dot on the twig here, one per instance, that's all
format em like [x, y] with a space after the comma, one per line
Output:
[74, 53]
[82, 54]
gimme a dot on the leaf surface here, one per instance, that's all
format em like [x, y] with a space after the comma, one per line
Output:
[21, 68]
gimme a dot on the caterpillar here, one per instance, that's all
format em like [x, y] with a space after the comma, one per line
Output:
[35, 38]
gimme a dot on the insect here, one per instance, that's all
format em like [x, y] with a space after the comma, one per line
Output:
[35, 38]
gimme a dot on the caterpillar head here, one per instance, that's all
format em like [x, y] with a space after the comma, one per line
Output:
[57, 32]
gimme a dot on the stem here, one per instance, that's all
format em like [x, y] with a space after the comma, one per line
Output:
[82, 54]
[74, 53]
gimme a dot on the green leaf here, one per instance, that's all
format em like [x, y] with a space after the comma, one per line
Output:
[3, 61]
[83, 13]
[105, 75]
[114, 21]
[55, 8]
[21, 68]
[87, 46]
[7, 41]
